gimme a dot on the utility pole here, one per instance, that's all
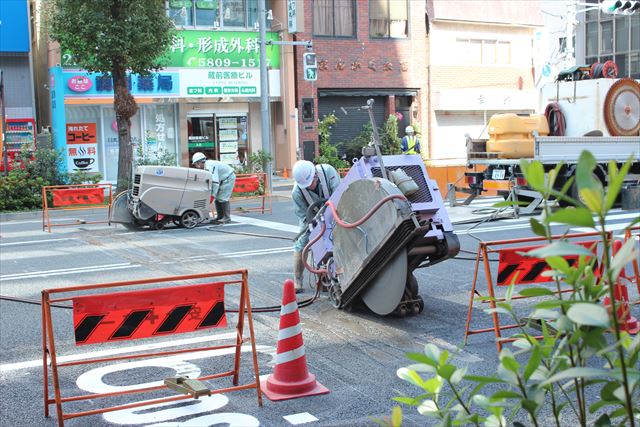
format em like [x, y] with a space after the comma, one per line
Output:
[264, 89]
[3, 112]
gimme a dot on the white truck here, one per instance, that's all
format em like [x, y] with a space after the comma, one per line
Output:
[601, 116]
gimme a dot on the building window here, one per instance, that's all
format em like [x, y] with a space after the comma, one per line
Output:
[334, 18]
[214, 13]
[615, 39]
[388, 18]
[488, 52]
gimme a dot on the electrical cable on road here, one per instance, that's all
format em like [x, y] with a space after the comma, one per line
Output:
[241, 233]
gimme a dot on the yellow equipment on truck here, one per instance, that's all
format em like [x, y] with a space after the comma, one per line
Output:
[599, 115]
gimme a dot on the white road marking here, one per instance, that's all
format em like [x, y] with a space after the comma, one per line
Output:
[268, 224]
[64, 271]
[301, 418]
[35, 242]
[115, 351]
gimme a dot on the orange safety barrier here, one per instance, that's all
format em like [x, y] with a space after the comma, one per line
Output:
[634, 233]
[74, 198]
[517, 269]
[252, 193]
[146, 313]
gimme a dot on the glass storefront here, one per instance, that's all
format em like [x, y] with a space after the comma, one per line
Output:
[153, 133]
[221, 136]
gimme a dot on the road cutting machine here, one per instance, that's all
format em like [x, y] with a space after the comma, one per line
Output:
[161, 195]
[385, 220]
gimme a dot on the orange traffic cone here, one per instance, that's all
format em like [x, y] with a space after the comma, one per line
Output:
[290, 378]
[626, 321]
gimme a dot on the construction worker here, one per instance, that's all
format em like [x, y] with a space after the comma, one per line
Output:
[410, 143]
[314, 183]
[224, 178]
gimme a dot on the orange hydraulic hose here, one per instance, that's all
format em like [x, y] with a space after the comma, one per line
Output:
[344, 224]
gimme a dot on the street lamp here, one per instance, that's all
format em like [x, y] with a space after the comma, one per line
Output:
[264, 89]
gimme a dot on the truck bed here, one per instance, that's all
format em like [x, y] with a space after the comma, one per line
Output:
[553, 149]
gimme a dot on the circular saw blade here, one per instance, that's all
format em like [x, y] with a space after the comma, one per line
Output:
[622, 108]
[384, 292]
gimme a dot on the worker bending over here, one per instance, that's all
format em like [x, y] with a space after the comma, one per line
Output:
[224, 178]
[313, 184]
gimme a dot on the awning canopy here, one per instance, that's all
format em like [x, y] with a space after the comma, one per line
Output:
[368, 92]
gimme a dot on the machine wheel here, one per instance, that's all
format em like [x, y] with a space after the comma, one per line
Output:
[335, 294]
[189, 219]
[158, 225]
[402, 310]
[412, 285]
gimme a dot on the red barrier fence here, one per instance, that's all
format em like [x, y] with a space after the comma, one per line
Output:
[75, 198]
[517, 269]
[634, 233]
[148, 313]
[251, 193]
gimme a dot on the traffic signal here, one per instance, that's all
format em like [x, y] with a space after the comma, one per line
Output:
[619, 7]
[310, 66]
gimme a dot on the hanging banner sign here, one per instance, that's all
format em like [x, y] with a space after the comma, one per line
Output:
[227, 122]
[228, 146]
[228, 135]
[82, 147]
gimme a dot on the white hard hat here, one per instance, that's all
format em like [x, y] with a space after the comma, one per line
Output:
[303, 173]
[408, 129]
[197, 157]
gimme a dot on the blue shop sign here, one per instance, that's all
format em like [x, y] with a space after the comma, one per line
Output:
[14, 26]
[83, 84]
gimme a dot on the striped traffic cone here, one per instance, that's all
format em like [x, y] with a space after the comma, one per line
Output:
[290, 378]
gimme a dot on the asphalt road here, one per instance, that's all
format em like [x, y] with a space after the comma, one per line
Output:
[355, 355]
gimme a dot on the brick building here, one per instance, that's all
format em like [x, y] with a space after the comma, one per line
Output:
[365, 49]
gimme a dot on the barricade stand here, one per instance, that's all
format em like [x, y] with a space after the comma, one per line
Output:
[253, 190]
[517, 269]
[634, 233]
[133, 314]
[74, 198]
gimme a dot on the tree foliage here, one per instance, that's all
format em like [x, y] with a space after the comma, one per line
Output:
[114, 37]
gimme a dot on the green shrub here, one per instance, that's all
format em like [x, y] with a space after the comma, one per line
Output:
[328, 152]
[21, 188]
[159, 157]
[585, 370]
[391, 142]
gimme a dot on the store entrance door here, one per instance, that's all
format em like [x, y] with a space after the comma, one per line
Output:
[202, 135]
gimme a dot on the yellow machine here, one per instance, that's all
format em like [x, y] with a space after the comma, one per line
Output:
[511, 135]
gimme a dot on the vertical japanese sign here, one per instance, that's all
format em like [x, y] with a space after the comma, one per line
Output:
[292, 17]
[82, 147]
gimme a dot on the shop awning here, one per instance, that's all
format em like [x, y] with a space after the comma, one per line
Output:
[368, 92]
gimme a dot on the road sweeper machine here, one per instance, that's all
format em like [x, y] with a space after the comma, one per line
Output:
[164, 194]
[385, 220]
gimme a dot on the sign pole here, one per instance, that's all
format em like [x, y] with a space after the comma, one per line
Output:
[5, 154]
[264, 89]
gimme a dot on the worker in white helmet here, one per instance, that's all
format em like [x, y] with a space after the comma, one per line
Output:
[314, 183]
[410, 143]
[224, 178]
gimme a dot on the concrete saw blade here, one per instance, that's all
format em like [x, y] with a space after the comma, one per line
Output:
[384, 292]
